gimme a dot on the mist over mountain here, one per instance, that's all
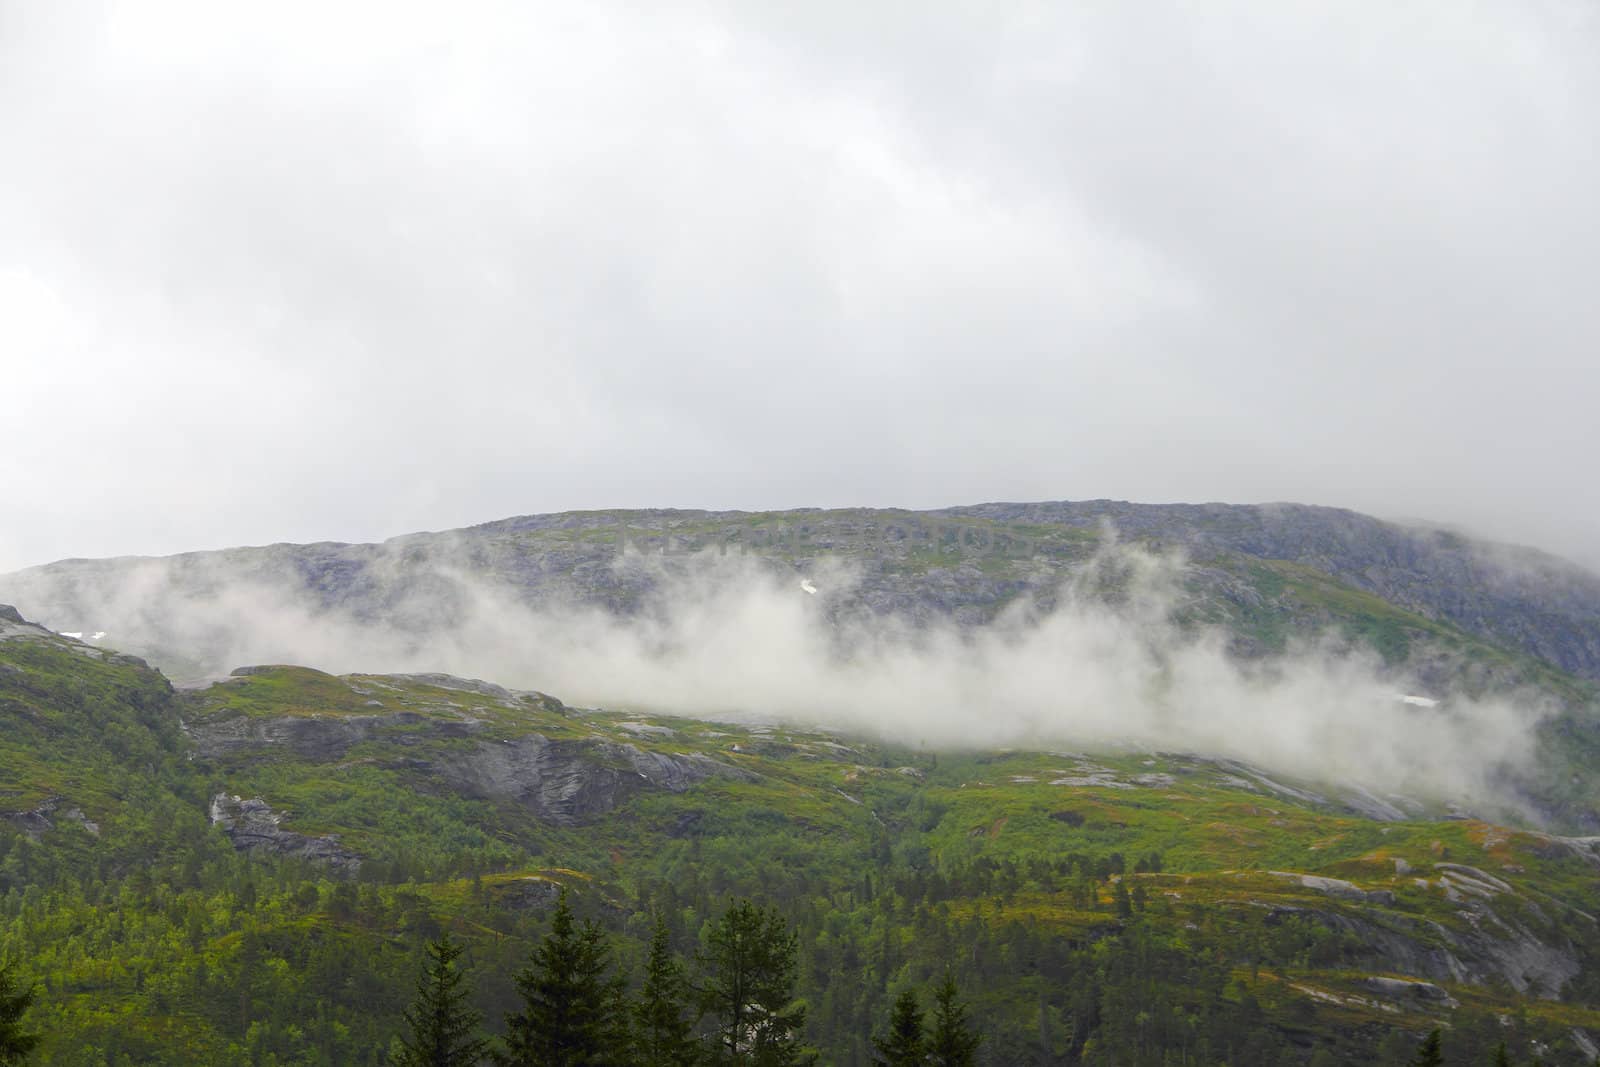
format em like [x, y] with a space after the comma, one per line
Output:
[1284, 635]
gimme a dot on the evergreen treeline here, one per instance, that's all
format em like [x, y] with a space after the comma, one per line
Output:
[740, 1008]
[300, 971]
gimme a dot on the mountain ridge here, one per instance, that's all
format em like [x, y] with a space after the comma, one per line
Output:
[1523, 598]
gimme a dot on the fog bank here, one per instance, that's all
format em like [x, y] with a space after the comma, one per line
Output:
[730, 636]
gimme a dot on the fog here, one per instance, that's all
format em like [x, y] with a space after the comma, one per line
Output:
[729, 636]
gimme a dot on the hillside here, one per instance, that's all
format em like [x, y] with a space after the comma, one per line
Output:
[246, 872]
[963, 563]
[559, 601]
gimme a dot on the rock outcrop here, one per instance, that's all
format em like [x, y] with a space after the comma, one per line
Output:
[1489, 945]
[254, 827]
[318, 738]
[570, 782]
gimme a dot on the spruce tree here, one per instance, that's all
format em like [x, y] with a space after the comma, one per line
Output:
[15, 1042]
[953, 1042]
[906, 1043]
[1124, 904]
[662, 1033]
[442, 1026]
[1501, 1057]
[750, 968]
[1428, 1053]
[573, 1014]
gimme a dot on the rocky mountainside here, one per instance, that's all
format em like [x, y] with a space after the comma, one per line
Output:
[1437, 610]
[1518, 597]
[1266, 570]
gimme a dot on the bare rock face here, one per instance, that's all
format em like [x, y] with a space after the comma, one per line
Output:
[253, 827]
[36, 821]
[47, 816]
[321, 739]
[509, 697]
[1403, 989]
[1339, 888]
[1487, 948]
[572, 782]
[529, 894]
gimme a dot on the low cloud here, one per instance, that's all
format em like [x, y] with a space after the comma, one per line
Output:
[732, 636]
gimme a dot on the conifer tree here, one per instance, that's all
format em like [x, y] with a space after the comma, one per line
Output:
[662, 1033]
[906, 1043]
[1119, 896]
[1501, 1057]
[441, 1023]
[749, 987]
[15, 1042]
[573, 1015]
[953, 1042]
[1428, 1053]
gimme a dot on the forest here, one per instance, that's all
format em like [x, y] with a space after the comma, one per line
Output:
[1155, 909]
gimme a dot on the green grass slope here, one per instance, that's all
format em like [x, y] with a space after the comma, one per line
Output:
[1106, 908]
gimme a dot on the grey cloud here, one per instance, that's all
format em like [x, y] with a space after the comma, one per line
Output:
[316, 272]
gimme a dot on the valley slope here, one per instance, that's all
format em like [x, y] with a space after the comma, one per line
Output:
[246, 872]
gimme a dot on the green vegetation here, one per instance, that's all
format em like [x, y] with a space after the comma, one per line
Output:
[662, 1033]
[1103, 909]
[573, 1012]
[953, 1042]
[16, 1042]
[750, 964]
[442, 1026]
[906, 1042]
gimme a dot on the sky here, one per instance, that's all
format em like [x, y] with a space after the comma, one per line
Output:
[296, 271]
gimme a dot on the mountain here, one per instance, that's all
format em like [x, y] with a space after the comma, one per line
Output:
[248, 872]
[963, 563]
[561, 601]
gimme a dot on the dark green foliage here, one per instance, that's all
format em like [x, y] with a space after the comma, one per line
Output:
[1501, 1058]
[443, 1027]
[1428, 1053]
[1120, 898]
[953, 1042]
[15, 1041]
[572, 1007]
[905, 1043]
[749, 988]
[152, 940]
[662, 1035]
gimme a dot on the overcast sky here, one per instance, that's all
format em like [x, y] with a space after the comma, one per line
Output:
[307, 271]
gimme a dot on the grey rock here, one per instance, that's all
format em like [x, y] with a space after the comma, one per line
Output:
[252, 826]
[1339, 888]
[1405, 989]
[319, 738]
[36, 821]
[528, 894]
[1482, 948]
[570, 782]
[508, 697]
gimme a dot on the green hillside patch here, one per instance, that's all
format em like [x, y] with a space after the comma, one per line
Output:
[1072, 894]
